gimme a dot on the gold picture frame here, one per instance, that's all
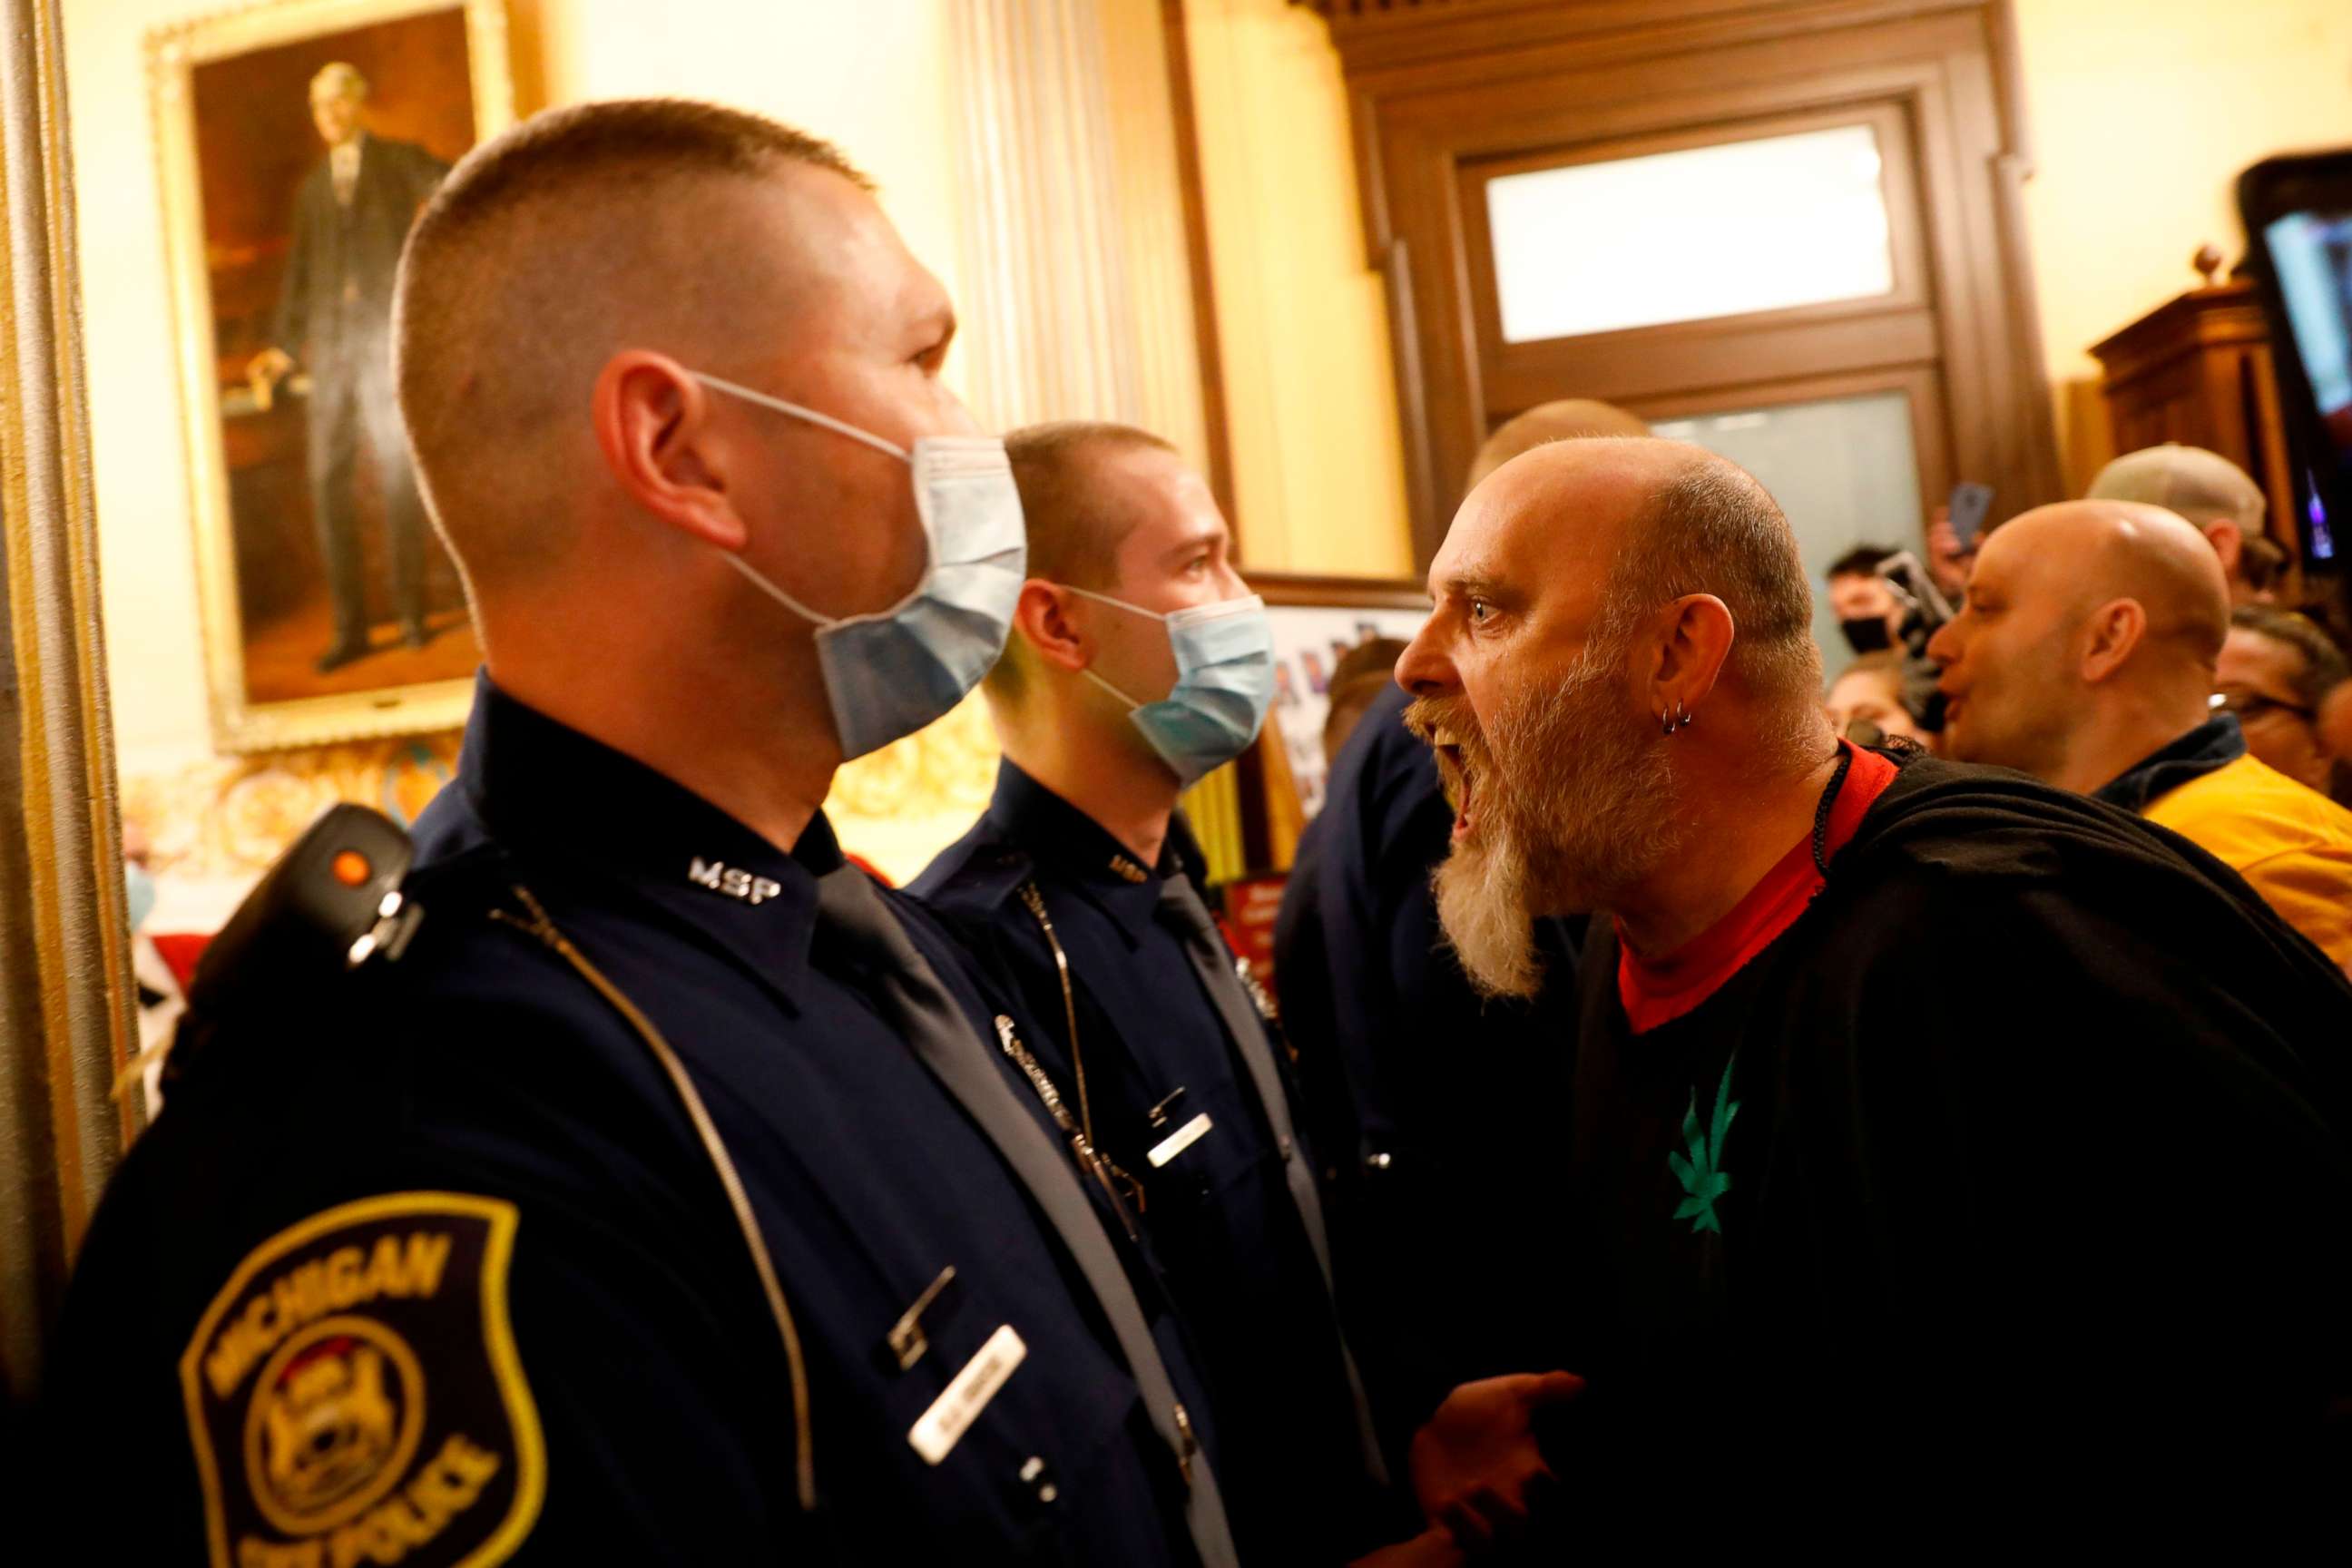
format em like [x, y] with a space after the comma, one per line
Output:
[285, 543]
[1278, 782]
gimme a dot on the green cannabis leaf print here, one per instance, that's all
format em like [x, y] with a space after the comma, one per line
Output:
[1702, 1173]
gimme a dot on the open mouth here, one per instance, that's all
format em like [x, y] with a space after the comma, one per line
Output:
[1461, 785]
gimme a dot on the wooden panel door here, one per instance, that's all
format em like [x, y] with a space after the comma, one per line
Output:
[1448, 98]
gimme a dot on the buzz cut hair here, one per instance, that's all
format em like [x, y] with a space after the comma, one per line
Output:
[540, 245]
[1076, 523]
[1713, 529]
[1074, 528]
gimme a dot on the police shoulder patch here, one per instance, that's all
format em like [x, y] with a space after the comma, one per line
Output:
[354, 1395]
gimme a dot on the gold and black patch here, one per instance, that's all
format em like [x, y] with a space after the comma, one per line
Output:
[354, 1395]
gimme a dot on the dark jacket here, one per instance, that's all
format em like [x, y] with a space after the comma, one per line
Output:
[649, 1384]
[1174, 1101]
[1442, 1113]
[2032, 1139]
[334, 307]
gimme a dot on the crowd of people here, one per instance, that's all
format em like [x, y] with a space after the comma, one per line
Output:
[1706, 1107]
[2129, 646]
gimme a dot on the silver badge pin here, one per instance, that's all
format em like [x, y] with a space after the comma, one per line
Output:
[733, 881]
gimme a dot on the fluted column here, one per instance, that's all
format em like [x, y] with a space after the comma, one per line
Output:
[1077, 291]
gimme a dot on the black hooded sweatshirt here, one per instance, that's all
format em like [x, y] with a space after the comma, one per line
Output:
[2028, 1148]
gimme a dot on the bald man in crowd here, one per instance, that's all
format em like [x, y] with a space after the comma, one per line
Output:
[1562, 419]
[2217, 498]
[2086, 656]
[1848, 1236]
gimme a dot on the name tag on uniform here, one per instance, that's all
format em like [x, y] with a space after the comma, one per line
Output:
[1176, 1142]
[953, 1411]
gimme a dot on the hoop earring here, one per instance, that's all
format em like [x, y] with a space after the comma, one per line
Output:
[1680, 719]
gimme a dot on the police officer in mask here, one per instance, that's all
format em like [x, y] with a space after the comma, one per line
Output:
[1140, 662]
[677, 1196]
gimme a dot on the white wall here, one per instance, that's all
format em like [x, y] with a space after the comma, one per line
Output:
[146, 549]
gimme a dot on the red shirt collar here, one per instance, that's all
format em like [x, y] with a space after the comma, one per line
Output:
[1657, 991]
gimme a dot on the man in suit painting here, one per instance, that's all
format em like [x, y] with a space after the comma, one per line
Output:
[334, 318]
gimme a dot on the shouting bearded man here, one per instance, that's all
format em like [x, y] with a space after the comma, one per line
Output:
[1935, 1134]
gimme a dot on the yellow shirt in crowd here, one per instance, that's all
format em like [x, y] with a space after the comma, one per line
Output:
[2294, 845]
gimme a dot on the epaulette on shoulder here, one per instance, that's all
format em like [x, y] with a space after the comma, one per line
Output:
[976, 879]
[332, 905]
[996, 875]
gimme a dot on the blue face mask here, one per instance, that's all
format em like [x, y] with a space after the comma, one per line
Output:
[1224, 682]
[139, 890]
[890, 672]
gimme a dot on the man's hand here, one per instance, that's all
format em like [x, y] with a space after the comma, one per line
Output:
[1946, 562]
[264, 371]
[1430, 1549]
[1475, 1466]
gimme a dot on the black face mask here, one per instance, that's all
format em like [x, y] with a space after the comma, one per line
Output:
[1867, 634]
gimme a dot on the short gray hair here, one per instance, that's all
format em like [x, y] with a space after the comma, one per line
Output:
[1713, 529]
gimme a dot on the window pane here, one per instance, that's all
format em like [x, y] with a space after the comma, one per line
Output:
[1842, 469]
[1686, 237]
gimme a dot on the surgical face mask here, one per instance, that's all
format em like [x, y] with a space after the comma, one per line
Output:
[139, 890]
[890, 672]
[1866, 634]
[1224, 681]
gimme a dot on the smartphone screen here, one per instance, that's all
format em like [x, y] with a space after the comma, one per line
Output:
[2298, 211]
[1967, 507]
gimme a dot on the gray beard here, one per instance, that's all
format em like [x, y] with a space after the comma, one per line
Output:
[1482, 907]
[1583, 809]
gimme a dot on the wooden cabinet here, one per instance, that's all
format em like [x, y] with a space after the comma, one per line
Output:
[2197, 370]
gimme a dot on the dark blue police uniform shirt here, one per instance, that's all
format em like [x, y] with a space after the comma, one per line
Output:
[1449, 1109]
[1219, 1213]
[482, 1065]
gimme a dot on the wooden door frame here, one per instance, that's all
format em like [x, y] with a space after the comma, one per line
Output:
[1430, 87]
[1642, 360]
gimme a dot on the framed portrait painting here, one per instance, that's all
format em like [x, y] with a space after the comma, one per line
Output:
[297, 141]
[1320, 624]
[1335, 644]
